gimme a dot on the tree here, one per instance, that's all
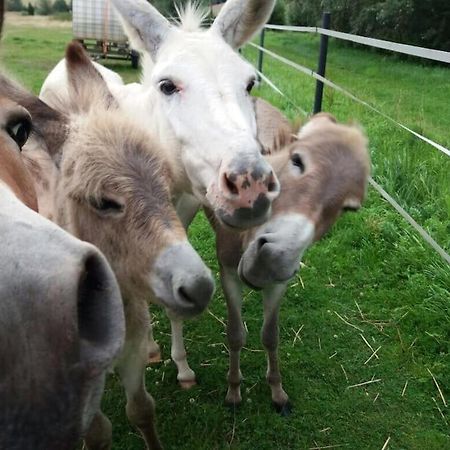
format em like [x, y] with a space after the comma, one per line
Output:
[60, 6]
[44, 7]
[14, 5]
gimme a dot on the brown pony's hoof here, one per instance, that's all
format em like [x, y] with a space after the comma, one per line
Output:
[154, 358]
[187, 384]
[284, 410]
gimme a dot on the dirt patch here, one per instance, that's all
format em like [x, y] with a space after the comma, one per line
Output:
[17, 19]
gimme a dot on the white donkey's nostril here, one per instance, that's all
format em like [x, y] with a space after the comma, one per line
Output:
[228, 184]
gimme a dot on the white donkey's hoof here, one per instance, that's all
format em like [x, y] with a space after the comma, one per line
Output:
[187, 384]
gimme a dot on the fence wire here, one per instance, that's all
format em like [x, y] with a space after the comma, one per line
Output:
[307, 71]
[412, 50]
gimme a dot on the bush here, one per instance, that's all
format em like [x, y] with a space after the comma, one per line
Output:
[14, 5]
[418, 22]
[60, 6]
[44, 7]
[278, 14]
[30, 9]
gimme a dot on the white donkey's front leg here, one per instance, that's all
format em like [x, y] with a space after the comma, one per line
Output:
[270, 337]
[187, 207]
[232, 287]
[186, 376]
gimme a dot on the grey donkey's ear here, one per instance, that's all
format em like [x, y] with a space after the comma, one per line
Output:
[86, 85]
[239, 20]
[145, 26]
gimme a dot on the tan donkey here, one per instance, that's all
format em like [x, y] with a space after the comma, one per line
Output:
[322, 174]
[112, 188]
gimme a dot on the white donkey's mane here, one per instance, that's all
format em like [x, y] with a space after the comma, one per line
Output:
[191, 16]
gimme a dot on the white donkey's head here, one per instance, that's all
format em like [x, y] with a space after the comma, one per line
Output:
[202, 88]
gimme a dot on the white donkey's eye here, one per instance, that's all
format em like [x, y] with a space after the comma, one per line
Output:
[251, 85]
[168, 87]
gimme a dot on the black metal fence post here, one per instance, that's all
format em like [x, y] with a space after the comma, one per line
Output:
[326, 18]
[261, 53]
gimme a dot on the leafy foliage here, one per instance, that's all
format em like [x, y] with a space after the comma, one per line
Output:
[418, 22]
[14, 5]
[44, 7]
[60, 6]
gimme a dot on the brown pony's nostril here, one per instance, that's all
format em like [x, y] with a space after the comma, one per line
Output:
[232, 188]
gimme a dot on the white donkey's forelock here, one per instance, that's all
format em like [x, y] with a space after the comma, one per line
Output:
[191, 16]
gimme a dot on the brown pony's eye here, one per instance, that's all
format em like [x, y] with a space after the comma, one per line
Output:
[167, 87]
[19, 130]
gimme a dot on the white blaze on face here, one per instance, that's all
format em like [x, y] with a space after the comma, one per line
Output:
[275, 252]
[210, 113]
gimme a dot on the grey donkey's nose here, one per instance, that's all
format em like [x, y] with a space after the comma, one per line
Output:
[182, 281]
[194, 292]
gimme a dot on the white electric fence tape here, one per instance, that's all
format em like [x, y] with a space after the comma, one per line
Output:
[278, 90]
[427, 238]
[327, 82]
[421, 52]
[442, 253]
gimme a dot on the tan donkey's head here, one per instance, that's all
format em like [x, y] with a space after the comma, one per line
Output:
[322, 174]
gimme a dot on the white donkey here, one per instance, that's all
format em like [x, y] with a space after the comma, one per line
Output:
[195, 97]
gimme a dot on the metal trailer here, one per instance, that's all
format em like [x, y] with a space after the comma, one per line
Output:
[97, 26]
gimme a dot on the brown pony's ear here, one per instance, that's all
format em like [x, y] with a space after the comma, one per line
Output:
[50, 128]
[86, 85]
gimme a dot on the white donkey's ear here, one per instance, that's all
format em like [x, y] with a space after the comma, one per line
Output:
[239, 20]
[145, 26]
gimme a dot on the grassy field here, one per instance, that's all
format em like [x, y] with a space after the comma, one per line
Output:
[373, 271]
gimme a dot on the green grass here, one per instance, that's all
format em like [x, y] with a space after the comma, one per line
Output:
[371, 259]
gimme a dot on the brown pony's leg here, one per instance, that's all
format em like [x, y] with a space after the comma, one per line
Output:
[131, 369]
[269, 336]
[236, 335]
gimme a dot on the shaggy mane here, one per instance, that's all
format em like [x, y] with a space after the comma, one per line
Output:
[191, 16]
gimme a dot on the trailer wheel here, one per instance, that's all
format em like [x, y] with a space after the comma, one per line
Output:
[134, 59]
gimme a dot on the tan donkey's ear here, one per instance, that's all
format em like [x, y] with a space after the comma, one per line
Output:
[239, 20]
[86, 85]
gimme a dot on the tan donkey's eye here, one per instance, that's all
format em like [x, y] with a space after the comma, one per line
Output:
[297, 161]
[106, 206]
